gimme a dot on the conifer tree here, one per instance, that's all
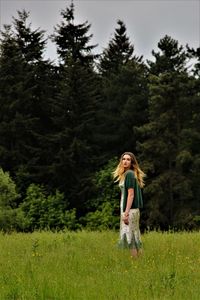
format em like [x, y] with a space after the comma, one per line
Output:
[24, 91]
[119, 51]
[72, 39]
[124, 94]
[192, 134]
[75, 110]
[163, 151]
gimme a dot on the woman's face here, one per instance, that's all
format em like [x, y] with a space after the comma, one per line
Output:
[126, 161]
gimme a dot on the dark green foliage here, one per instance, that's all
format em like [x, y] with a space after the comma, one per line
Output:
[72, 40]
[75, 111]
[25, 97]
[171, 58]
[104, 208]
[118, 53]
[167, 160]
[31, 43]
[192, 133]
[124, 94]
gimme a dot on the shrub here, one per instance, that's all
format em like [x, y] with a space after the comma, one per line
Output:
[41, 210]
[104, 212]
[8, 198]
[8, 193]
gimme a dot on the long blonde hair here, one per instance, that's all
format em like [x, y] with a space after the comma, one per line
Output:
[119, 172]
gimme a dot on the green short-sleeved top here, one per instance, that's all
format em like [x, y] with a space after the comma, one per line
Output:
[131, 182]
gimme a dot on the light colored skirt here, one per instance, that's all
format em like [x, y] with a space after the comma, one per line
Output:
[130, 236]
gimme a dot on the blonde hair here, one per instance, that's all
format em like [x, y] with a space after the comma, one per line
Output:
[119, 172]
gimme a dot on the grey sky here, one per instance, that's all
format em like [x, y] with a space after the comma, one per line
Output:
[146, 20]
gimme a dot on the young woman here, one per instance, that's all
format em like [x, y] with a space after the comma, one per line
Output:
[130, 178]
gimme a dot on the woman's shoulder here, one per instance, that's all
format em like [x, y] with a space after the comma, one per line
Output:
[130, 173]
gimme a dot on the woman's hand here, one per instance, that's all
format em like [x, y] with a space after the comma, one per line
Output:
[125, 218]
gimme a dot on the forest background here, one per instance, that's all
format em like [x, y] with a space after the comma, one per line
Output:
[64, 126]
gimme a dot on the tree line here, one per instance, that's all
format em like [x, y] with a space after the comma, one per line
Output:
[64, 126]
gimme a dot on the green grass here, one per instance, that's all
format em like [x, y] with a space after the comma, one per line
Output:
[88, 265]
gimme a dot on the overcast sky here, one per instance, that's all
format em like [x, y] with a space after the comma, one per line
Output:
[147, 21]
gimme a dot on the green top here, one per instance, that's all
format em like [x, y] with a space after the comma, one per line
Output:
[131, 182]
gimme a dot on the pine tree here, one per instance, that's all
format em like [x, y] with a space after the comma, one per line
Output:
[119, 51]
[124, 94]
[72, 40]
[163, 151]
[75, 111]
[24, 91]
[192, 134]
[31, 43]
[171, 58]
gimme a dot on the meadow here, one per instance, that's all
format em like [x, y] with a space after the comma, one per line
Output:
[89, 266]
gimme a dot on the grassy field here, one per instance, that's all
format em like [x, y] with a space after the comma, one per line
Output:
[88, 265]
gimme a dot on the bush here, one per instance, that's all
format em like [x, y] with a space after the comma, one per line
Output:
[105, 207]
[8, 193]
[102, 219]
[40, 210]
[8, 198]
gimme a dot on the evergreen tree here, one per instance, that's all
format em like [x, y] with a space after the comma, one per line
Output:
[124, 94]
[10, 70]
[24, 91]
[169, 191]
[118, 53]
[171, 58]
[31, 43]
[72, 40]
[75, 111]
[192, 134]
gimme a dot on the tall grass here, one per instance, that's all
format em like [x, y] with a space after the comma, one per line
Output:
[88, 265]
